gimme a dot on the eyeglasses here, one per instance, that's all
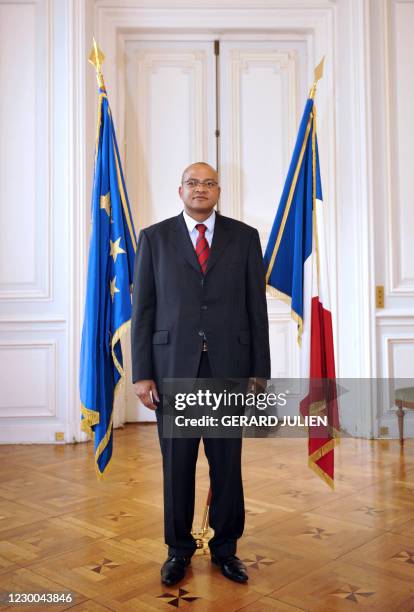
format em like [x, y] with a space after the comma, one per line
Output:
[193, 183]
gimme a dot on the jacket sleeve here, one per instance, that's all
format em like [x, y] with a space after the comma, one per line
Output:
[257, 310]
[143, 311]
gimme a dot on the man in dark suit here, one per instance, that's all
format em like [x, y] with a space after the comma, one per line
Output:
[199, 310]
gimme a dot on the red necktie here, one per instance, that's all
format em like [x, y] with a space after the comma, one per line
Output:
[202, 248]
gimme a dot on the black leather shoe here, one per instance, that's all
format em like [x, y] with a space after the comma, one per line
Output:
[173, 569]
[231, 567]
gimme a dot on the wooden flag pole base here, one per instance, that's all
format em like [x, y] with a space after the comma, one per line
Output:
[202, 537]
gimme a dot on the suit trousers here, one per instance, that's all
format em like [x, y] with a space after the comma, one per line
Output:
[226, 515]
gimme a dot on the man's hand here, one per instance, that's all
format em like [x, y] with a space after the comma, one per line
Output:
[146, 391]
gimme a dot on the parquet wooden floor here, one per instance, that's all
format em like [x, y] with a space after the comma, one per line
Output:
[307, 547]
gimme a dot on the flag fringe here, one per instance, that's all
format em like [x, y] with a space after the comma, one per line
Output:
[288, 300]
[91, 417]
[324, 449]
[317, 455]
[119, 332]
[323, 475]
[315, 409]
[104, 443]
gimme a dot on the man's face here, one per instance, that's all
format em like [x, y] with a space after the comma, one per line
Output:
[199, 190]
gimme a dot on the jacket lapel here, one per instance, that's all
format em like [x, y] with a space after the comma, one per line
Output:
[183, 244]
[221, 238]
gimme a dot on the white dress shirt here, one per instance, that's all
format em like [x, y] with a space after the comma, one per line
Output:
[193, 231]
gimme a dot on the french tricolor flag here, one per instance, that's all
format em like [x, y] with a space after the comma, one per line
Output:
[297, 272]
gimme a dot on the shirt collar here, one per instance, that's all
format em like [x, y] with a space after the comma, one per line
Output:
[191, 223]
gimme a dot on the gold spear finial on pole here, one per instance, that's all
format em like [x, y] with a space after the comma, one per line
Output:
[96, 58]
[318, 74]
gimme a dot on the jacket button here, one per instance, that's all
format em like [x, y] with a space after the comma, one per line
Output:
[203, 307]
[201, 333]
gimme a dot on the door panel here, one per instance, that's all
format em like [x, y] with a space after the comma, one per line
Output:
[170, 99]
[261, 97]
[170, 121]
[262, 88]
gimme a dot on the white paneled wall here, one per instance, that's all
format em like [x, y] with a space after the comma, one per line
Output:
[393, 91]
[36, 362]
[401, 123]
[24, 151]
[26, 277]
[34, 260]
[159, 72]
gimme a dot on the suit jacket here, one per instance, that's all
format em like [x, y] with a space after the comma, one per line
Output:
[175, 306]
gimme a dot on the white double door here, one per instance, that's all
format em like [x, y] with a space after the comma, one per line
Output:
[239, 111]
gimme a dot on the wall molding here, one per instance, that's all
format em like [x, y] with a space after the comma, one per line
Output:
[388, 341]
[241, 61]
[294, 5]
[397, 286]
[402, 317]
[31, 432]
[284, 322]
[146, 63]
[29, 319]
[49, 409]
[41, 289]
[81, 127]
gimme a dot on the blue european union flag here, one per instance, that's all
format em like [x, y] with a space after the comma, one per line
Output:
[108, 292]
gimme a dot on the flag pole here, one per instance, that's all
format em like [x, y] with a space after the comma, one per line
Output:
[318, 74]
[96, 58]
[201, 537]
